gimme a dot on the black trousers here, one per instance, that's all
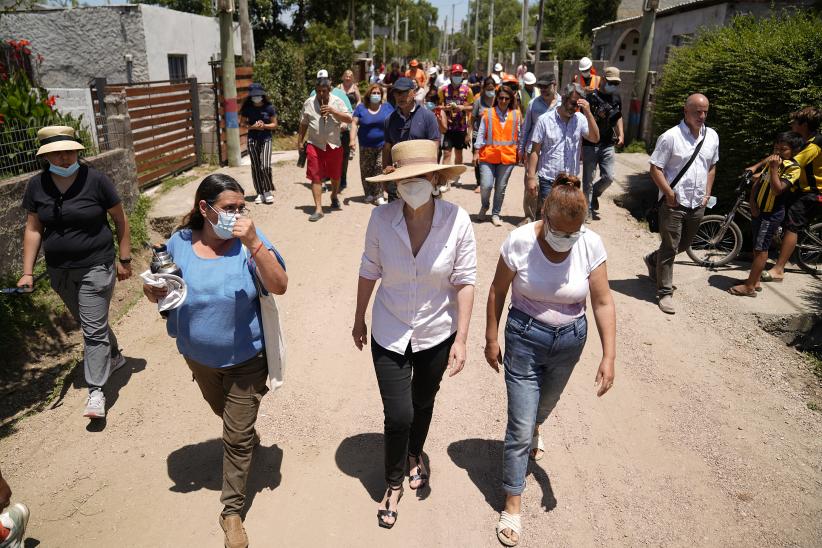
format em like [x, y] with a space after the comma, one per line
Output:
[408, 385]
[345, 140]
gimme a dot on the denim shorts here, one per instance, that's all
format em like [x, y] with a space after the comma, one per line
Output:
[764, 227]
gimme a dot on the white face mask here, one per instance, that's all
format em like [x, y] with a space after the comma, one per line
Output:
[416, 192]
[560, 244]
[257, 100]
[586, 74]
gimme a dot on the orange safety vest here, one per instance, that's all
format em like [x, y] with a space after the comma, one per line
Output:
[500, 139]
[594, 85]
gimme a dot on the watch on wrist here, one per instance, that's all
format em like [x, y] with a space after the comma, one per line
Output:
[125, 261]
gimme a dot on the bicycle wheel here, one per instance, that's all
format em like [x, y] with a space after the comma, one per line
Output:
[809, 249]
[711, 247]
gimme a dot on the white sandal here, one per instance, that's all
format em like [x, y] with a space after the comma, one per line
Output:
[536, 443]
[511, 522]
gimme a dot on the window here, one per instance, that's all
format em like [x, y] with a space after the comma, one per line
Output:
[177, 69]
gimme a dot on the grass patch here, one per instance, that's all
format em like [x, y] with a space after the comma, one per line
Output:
[815, 362]
[22, 315]
[635, 146]
[285, 142]
[173, 182]
[814, 407]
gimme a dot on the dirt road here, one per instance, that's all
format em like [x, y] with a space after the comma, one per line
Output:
[705, 440]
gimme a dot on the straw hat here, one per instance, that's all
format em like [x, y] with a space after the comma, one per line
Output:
[415, 158]
[54, 138]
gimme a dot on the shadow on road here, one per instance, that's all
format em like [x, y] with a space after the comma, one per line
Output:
[200, 466]
[640, 194]
[640, 288]
[482, 459]
[361, 457]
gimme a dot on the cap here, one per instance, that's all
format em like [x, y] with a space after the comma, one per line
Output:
[498, 67]
[529, 79]
[546, 79]
[584, 64]
[509, 79]
[322, 73]
[432, 71]
[403, 84]
[414, 63]
[456, 67]
[612, 74]
[256, 90]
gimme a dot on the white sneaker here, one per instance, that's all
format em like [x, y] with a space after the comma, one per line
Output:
[483, 214]
[15, 520]
[95, 405]
[258, 199]
[380, 201]
[369, 199]
[495, 220]
[269, 198]
[117, 362]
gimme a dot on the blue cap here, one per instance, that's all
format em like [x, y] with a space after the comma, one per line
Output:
[404, 84]
[256, 90]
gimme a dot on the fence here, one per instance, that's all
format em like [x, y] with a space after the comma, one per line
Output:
[165, 124]
[18, 144]
[244, 78]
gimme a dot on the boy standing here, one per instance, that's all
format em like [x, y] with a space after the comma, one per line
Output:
[768, 195]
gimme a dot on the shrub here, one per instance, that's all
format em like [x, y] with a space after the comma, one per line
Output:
[754, 72]
[281, 70]
[327, 48]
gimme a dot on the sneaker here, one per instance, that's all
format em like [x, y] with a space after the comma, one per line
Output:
[269, 198]
[589, 217]
[666, 304]
[235, 536]
[335, 203]
[369, 199]
[258, 199]
[117, 362]
[650, 266]
[15, 520]
[316, 216]
[483, 214]
[95, 405]
[380, 201]
[495, 220]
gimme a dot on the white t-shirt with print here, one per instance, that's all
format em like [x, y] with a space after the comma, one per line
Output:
[551, 293]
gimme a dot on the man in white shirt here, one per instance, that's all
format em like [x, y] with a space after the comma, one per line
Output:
[683, 206]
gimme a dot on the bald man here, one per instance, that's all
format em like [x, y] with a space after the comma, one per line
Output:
[683, 166]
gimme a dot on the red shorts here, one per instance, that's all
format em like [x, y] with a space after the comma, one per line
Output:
[323, 164]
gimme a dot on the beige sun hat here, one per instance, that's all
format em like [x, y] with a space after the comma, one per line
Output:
[415, 158]
[55, 138]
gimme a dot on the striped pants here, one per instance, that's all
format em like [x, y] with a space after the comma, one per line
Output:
[260, 154]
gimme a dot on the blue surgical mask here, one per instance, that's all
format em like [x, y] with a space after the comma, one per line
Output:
[456, 80]
[224, 229]
[64, 171]
[490, 94]
[430, 105]
[376, 98]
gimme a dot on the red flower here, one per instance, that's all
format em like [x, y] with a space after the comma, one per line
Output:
[50, 101]
[24, 42]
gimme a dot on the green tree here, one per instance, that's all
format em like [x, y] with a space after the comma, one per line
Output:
[327, 48]
[280, 68]
[599, 12]
[754, 72]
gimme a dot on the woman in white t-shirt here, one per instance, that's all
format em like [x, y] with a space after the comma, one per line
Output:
[552, 265]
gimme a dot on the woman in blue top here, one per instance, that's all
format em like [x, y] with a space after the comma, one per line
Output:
[260, 116]
[218, 327]
[369, 125]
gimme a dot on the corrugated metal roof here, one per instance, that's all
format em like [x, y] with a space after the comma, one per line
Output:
[680, 6]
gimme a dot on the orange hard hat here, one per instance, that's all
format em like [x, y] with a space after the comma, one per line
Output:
[414, 63]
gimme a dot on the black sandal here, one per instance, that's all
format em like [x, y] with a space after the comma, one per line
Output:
[423, 478]
[383, 513]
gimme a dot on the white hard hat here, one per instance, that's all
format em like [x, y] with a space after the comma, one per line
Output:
[432, 71]
[529, 79]
[496, 79]
[322, 73]
[498, 68]
[584, 64]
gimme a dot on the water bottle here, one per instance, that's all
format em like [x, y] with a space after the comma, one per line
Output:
[163, 263]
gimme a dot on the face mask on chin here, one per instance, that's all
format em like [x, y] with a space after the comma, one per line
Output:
[416, 192]
[64, 171]
[224, 229]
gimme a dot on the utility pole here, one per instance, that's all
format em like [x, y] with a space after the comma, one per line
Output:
[476, 34]
[371, 44]
[452, 21]
[491, 40]
[523, 47]
[445, 35]
[643, 63]
[396, 28]
[538, 37]
[246, 36]
[232, 121]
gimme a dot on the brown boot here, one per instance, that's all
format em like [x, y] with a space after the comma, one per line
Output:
[235, 536]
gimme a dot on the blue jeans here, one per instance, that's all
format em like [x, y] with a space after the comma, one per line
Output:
[494, 176]
[539, 359]
[545, 186]
[593, 156]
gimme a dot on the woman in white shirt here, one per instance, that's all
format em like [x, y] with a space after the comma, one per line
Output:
[424, 252]
[551, 265]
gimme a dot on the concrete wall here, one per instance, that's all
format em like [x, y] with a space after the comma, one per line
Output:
[77, 102]
[174, 32]
[81, 43]
[118, 164]
[208, 124]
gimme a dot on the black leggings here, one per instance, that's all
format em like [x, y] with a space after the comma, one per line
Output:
[407, 400]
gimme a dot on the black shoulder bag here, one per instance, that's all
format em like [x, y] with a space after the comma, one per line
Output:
[652, 215]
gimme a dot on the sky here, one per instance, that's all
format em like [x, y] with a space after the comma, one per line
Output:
[444, 9]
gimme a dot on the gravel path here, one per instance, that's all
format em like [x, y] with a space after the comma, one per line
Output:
[705, 440]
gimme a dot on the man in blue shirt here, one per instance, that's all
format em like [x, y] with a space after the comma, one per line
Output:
[547, 100]
[408, 122]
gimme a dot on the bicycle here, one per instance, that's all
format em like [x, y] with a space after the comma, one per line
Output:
[718, 239]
